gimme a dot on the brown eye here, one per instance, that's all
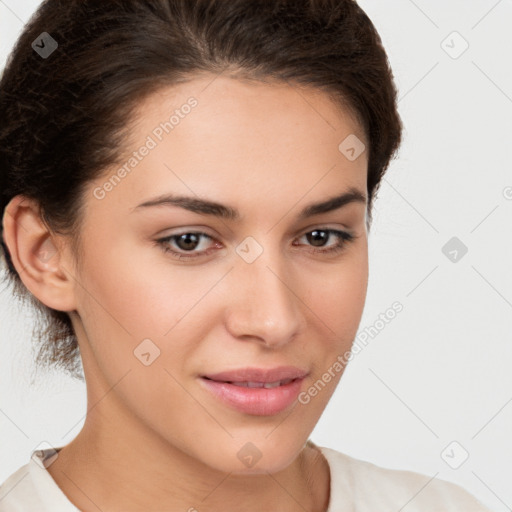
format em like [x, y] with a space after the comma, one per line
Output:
[318, 238]
[187, 242]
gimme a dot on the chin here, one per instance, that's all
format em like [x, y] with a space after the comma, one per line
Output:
[256, 457]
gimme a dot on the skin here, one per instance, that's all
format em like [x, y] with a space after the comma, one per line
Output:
[153, 438]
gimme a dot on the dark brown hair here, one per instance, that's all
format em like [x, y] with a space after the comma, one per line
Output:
[63, 116]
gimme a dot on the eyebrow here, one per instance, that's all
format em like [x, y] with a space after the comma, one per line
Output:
[205, 207]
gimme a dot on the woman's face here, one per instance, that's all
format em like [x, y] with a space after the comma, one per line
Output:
[252, 293]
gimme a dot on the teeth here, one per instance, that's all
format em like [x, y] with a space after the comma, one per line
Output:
[266, 385]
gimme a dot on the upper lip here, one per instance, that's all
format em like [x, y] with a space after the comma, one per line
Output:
[258, 374]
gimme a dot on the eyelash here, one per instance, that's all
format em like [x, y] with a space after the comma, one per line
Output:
[343, 236]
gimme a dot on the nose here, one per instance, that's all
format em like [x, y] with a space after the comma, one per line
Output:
[265, 304]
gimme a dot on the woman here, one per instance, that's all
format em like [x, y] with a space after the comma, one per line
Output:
[256, 133]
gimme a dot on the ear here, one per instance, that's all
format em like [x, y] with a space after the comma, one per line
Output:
[41, 259]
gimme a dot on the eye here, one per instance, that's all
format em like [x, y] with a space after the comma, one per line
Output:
[318, 236]
[189, 241]
[186, 241]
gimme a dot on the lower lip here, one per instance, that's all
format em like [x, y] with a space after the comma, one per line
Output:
[257, 401]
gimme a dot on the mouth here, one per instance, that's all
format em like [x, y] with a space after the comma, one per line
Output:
[257, 392]
[248, 384]
[258, 375]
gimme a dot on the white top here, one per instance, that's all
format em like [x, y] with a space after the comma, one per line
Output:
[356, 486]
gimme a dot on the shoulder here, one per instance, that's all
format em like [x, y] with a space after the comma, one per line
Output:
[16, 486]
[31, 487]
[370, 487]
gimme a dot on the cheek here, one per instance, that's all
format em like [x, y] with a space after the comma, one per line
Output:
[139, 292]
[337, 297]
[142, 297]
[124, 302]
[337, 301]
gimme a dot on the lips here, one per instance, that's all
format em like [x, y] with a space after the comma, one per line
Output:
[256, 391]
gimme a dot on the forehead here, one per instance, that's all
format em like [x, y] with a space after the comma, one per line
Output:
[251, 103]
[231, 140]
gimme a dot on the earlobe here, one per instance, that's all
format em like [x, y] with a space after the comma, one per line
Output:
[36, 256]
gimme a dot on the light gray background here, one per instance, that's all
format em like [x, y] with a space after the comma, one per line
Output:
[440, 371]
